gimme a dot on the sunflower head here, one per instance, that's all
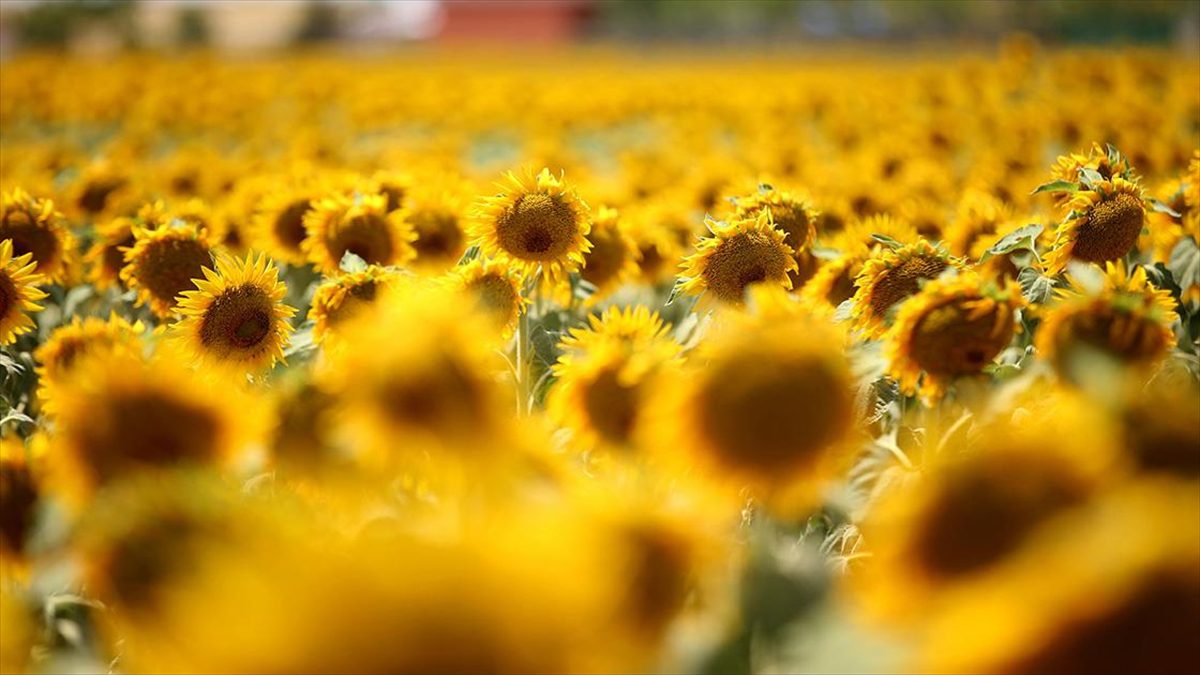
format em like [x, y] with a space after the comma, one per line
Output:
[72, 343]
[633, 326]
[19, 293]
[359, 224]
[891, 276]
[1108, 162]
[496, 287]
[394, 186]
[1159, 424]
[36, 228]
[1103, 224]
[791, 213]
[164, 262]
[340, 297]
[863, 235]
[736, 255]
[833, 282]
[536, 221]
[659, 248]
[438, 219]
[277, 225]
[20, 496]
[106, 256]
[1126, 320]
[979, 215]
[955, 327]
[235, 317]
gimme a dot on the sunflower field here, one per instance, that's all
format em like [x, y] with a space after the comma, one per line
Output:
[601, 362]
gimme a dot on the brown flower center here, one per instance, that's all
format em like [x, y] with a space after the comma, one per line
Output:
[18, 497]
[29, 237]
[537, 227]
[366, 236]
[168, 266]
[1111, 229]
[607, 257]
[611, 406]
[239, 319]
[743, 259]
[289, 224]
[902, 281]
[948, 342]
[439, 236]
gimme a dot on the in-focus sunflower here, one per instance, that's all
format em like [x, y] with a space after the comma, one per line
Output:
[1107, 162]
[69, 344]
[954, 327]
[496, 288]
[358, 224]
[164, 262]
[890, 277]
[788, 212]
[342, 296]
[125, 415]
[106, 256]
[536, 221]
[19, 293]
[437, 217]
[235, 318]
[736, 255]
[1127, 320]
[277, 225]
[612, 258]
[1103, 224]
[36, 228]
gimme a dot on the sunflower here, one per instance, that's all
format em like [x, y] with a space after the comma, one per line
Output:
[1127, 320]
[358, 224]
[863, 234]
[954, 327]
[891, 276]
[633, 326]
[164, 262]
[1110, 588]
[496, 289]
[926, 216]
[767, 403]
[658, 248]
[19, 293]
[833, 282]
[277, 225]
[394, 186]
[303, 439]
[601, 391]
[1107, 162]
[235, 318]
[21, 632]
[1159, 424]
[612, 258]
[738, 254]
[106, 256]
[1103, 225]
[34, 227]
[791, 213]
[437, 217]
[342, 296]
[536, 222]
[979, 215]
[21, 495]
[71, 343]
[974, 506]
[98, 189]
[125, 415]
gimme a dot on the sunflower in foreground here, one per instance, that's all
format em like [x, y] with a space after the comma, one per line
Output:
[890, 277]
[358, 224]
[73, 343]
[164, 262]
[496, 288]
[35, 227]
[106, 256]
[954, 327]
[736, 255]
[344, 295]
[19, 293]
[235, 318]
[1103, 224]
[125, 415]
[1127, 320]
[536, 222]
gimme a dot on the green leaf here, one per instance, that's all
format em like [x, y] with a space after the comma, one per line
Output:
[469, 255]
[887, 241]
[1056, 186]
[1034, 285]
[14, 416]
[1163, 208]
[1090, 177]
[352, 263]
[1022, 238]
[1185, 263]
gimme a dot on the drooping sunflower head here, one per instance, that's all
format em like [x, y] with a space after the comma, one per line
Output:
[438, 218]
[235, 317]
[106, 256]
[35, 227]
[73, 343]
[891, 276]
[767, 403]
[19, 293]
[536, 221]
[736, 255]
[341, 297]
[791, 213]
[277, 225]
[125, 415]
[954, 327]
[359, 224]
[633, 326]
[496, 288]
[613, 257]
[1126, 320]
[164, 262]
[1103, 224]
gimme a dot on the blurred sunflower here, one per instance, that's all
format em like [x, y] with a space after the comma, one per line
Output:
[106, 256]
[164, 262]
[658, 249]
[98, 189]
[34, 227]
[833, 282]
[71, 343]
[890, 277]
[358, 224]
[437, 217]
[977, 216]
[21, 495]
[235, 318]
[632, 326]
[277, 225]
[536, 222]
[1103, 225]
[953, 327]
[736, 255]
[612, 258]
[1127, 320]
[496, 288]
[342, 296]
[19, 293]
[303, 439]
[1159, 423]
[394, 186]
